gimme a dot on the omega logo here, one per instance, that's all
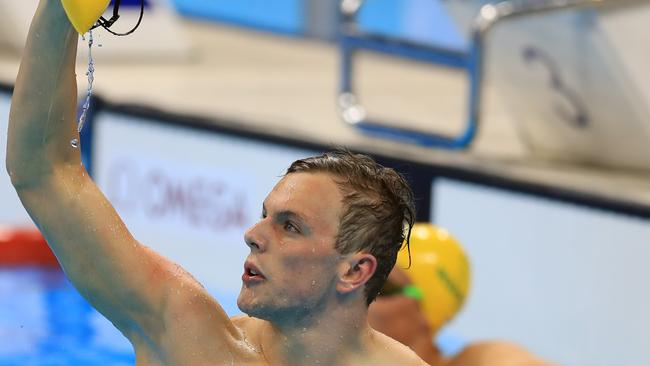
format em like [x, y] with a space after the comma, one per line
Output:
[162, 194]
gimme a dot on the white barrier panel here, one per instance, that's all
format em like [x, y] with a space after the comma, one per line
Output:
[12, 212]
[188, 194]
[574, 81]
[568, 282]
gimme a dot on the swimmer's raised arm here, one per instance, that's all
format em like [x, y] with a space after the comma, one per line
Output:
[128, 283]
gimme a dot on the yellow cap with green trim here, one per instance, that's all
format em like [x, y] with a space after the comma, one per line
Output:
[440, 269]
[84, 13]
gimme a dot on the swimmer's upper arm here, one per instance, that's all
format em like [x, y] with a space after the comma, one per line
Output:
[128, 283]
[134, 287]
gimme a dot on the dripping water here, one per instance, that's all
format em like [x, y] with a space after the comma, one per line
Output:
[91, 77]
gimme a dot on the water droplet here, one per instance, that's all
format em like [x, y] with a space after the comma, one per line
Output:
[91, 78]
[74, 143]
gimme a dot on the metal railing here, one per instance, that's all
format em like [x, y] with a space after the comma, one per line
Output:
[471, 60]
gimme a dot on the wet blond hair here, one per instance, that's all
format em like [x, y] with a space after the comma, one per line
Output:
[378, 209]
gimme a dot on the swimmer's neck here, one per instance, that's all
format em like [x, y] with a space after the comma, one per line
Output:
[325, 340]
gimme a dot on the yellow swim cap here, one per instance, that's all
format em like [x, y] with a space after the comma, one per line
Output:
[440, 268]
[84, 13]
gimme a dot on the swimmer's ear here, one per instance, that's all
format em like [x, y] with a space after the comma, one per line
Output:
[355, 271]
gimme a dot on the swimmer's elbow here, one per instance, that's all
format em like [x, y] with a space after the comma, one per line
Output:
[42, 178]
[9, 170]
[20, 182]
[25, 180]
[9, 167]
[23, 173]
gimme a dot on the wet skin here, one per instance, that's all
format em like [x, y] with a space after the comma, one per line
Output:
[292, 246]
[299, 311]
[296, 282]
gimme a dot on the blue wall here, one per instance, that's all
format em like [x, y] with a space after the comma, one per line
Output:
[420, 20]
[284, 16]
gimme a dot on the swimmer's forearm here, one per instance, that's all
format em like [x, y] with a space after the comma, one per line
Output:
[129, 284]
[43, 110]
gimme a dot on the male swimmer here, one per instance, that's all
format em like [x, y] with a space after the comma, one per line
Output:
[327, 239]
[425, 290]
[400, 316]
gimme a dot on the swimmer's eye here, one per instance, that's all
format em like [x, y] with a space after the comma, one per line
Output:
[289, 226]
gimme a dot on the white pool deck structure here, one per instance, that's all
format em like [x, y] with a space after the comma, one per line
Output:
[283, 86]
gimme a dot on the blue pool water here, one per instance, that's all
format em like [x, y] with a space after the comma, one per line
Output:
[45, 322]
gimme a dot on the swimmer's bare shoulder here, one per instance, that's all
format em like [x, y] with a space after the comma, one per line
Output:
[496, 353]
[380, 351]
[194, 329]
[387, 351]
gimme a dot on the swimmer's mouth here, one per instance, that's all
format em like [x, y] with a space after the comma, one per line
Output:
[252, 273]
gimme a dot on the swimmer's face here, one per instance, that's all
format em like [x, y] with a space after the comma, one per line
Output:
[292, 267]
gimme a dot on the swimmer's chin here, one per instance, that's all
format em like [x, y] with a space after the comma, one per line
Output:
[252, 310]
[253, 307]
[246, 303]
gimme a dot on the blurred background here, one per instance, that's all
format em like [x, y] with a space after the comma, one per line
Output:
[522, 126]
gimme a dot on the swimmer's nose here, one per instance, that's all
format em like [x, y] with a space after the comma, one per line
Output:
[253, 238]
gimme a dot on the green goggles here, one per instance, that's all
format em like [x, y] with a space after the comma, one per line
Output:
[412, 291]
